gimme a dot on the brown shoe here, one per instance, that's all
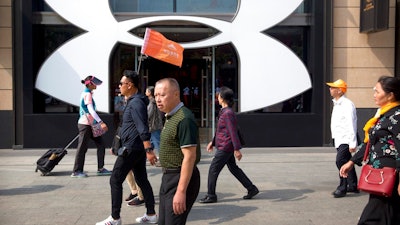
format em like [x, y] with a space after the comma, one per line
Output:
[130, 197]
[136, 202]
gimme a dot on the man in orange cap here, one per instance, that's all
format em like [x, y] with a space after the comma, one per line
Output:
[344, 134]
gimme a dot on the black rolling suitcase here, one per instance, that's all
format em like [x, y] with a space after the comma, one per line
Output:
[51, 158]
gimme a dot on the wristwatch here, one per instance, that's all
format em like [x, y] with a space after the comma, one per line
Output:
[149, 149]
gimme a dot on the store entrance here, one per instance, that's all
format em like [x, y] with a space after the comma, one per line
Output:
[193, 78]
[195, 81]
[202, 73]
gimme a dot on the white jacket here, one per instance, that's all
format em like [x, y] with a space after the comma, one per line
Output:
[344, 122]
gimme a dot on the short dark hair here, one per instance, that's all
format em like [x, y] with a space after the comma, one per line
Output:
[227, 95]
[133, 77]
[151, 90]
[390, 84]
[172, 81]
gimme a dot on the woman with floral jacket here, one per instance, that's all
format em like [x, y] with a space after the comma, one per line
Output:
[383, 135]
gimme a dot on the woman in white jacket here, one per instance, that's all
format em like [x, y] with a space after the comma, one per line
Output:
[88, 116]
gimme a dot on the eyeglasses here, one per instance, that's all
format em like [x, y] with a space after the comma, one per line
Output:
[122, 83]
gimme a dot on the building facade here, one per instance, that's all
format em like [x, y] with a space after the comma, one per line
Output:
[325, 37]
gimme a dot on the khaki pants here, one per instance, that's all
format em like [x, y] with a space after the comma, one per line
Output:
[135, 189]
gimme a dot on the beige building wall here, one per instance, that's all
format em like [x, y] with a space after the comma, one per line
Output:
[6, 96]
[359, 58]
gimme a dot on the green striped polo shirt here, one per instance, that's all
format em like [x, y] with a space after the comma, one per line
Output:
[180, 130]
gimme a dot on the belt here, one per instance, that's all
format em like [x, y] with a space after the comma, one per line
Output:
[171, 170]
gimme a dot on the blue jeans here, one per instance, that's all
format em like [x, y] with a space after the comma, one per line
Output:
[155, 140]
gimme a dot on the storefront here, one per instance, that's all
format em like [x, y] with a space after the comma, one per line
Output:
[273, 113]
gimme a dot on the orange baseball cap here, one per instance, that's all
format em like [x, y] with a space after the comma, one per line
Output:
[339, 84]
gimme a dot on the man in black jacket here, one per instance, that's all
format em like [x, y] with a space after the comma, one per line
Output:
[136, 146]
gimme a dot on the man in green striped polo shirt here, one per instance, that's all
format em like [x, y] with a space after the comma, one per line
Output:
[179, 154]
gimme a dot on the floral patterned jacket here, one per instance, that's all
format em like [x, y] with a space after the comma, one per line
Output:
[384, 142]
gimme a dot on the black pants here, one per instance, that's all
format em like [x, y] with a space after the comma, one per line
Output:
[167, 192]
[222, 158]
[342, 157]
[85, 134]
[136, 161]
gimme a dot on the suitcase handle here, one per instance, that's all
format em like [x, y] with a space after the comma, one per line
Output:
[70, 143]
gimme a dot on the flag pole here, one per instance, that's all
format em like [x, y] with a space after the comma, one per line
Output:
[142, 57]
[140, 63]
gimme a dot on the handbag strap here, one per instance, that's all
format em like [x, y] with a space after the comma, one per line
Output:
[366, 153]
[88, 118]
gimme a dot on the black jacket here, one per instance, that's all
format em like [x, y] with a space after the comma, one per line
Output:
[134, 127]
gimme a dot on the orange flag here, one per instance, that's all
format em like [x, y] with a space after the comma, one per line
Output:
[157, 46]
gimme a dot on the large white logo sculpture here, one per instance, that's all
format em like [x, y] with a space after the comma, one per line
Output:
[269, 72]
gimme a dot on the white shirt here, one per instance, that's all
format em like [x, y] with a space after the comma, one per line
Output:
[344, 122]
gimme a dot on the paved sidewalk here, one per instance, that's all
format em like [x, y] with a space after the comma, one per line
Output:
[295, 189]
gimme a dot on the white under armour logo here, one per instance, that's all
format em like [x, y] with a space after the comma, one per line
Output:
[269, 71]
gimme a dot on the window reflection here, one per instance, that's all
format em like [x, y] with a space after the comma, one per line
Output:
[176, 6]
[179, 6]
[201, 6]
[303, 8]
[295, 39]
[48, 39]
[141, 6]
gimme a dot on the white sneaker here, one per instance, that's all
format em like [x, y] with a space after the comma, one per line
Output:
[110, 221]
[147, 219]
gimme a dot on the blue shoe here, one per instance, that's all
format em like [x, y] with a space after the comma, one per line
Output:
[103, 172]
[79, 175]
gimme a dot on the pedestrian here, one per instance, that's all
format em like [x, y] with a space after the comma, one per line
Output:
[344, 135]
[179, 155]
[88, 116]
[135, 197]
[155, 120]
[136, 146]
[227, 143]
[383, 134]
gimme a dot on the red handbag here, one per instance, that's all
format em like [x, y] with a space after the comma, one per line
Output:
[377, 181]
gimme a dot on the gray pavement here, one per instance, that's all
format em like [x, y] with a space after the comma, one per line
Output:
[295, 189]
